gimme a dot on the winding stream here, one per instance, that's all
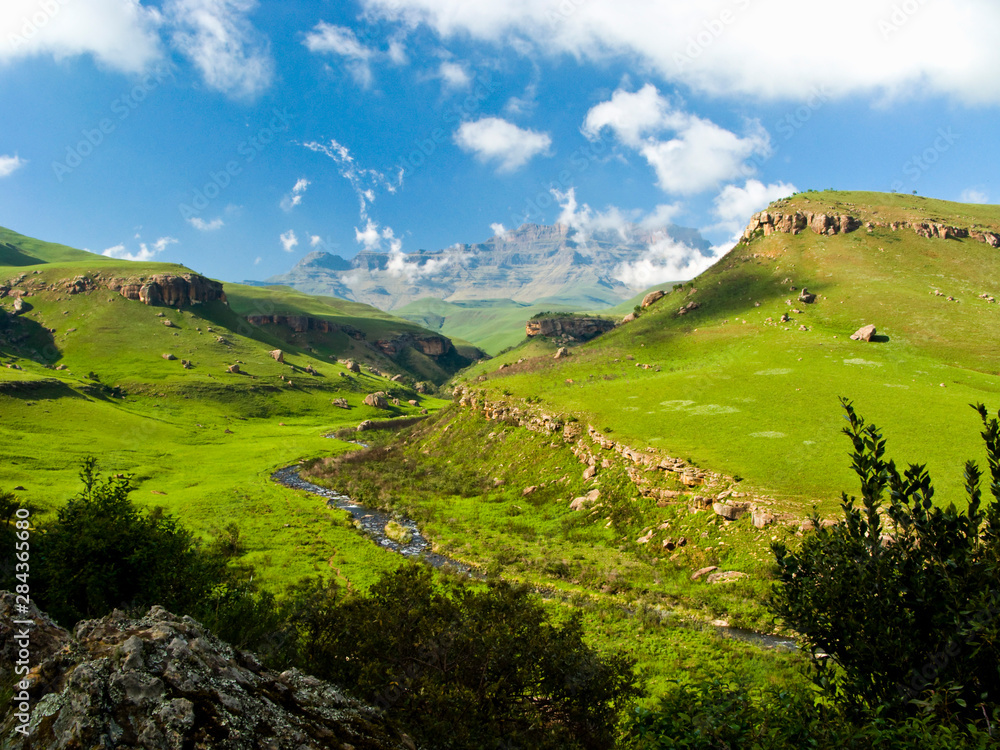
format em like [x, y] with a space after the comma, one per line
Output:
[372, 523]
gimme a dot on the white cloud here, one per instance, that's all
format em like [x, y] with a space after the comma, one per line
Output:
[585, 220]
[454, 75]
[315, 240]
[341, 40]
[294, 198]
[498, 229]
[370, 236]
[494, 139]
[146, 253]
[664, 260]
[735, 205]
[397, 52]
[206, 226]
[365, 182]
[700, 154]
[969, 195]
[217, 37]
[120, 35]
[257, 260]
[720, 48]
[10, 164]
[289, 240]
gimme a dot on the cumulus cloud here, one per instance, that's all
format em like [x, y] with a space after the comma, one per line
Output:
[969, 195]
[664, 260]
[698, 156]
[493, 139]
[206, 226]
[218, 38]
[289, 240]
[734, 205]
[146, 252]
[498, 229]
[10, 164]
[315, 240]
[120, 35]
[716, 48]
[294, 198]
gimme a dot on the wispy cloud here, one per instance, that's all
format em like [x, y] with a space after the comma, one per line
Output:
[454, 75]
[365, 182]
[969, 195]
[218, 38]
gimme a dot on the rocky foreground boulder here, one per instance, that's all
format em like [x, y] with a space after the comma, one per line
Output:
[164, 682]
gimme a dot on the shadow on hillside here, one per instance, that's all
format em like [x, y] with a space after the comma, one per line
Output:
[26, 338]
[39, 390]
[879, 339]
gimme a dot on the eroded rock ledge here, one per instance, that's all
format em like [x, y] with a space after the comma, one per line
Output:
[162, 681]
[706, 489]
[432, 346]
[771, 222]
[172, 290]
[574, 327]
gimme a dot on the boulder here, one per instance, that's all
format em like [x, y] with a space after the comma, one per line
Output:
[352, 366]
[653, 297]
[806, 296]
[629, 318]
[168, 323]
[377, 400]
[865, 333]
[761, 518]
[397, 378]
[730, 511]
[341, 402]
[233, 369]
[278, 356]
[561, 352]
[163, 681]
[726, 576]
[170, 357]
[580, 503]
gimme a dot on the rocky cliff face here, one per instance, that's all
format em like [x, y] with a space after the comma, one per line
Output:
[164, 682]
[573, 327]
[158, 289]
[524, 264]
[770, 222]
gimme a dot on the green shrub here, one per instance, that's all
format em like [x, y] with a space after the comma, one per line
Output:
[902, 595]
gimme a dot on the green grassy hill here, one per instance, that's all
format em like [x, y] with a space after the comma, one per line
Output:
[90, 372]
[735, 389]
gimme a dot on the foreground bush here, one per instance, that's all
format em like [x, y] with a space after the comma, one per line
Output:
[902, 595]
[465, 666]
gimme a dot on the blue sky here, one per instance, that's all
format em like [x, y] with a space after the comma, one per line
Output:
[235, 136]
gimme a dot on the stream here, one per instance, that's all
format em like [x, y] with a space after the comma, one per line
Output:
[372, 523]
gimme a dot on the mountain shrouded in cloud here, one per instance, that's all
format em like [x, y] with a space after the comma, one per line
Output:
[596, 260]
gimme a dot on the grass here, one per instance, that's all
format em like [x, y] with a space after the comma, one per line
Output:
[758, 399]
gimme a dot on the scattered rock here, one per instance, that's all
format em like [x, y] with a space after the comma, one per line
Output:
[397, 378]
[629, 318]
[366, 425]
[278, 356]
[580, 503]
[761, 518]
[377, 400]
[233, 369]
[806, 296]
[725, 576]
[730, 511]
[865, 333]
[352, 366]
[589, 472]
[170, 357]
[653, 297]
[341, 402]
[561, 352]
[528, 490]
[699, 573]
[168, 323]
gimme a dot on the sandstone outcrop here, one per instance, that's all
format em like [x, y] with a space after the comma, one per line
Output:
[653, 297]
[865, 333]
[278, 356]
[574, 327]
[304, 323]
[163, 681]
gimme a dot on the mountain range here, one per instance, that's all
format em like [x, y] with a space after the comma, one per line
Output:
[585, 268]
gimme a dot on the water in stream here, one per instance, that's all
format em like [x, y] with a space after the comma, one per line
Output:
[372, 523]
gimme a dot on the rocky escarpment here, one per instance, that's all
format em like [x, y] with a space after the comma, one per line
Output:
[596, 451]
[770, 222]
[164, 682]
[432, 346]
[572, 327]
[174, 290]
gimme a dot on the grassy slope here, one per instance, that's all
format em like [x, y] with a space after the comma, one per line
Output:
[170, 428]
[760, 401]
[492, 325]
